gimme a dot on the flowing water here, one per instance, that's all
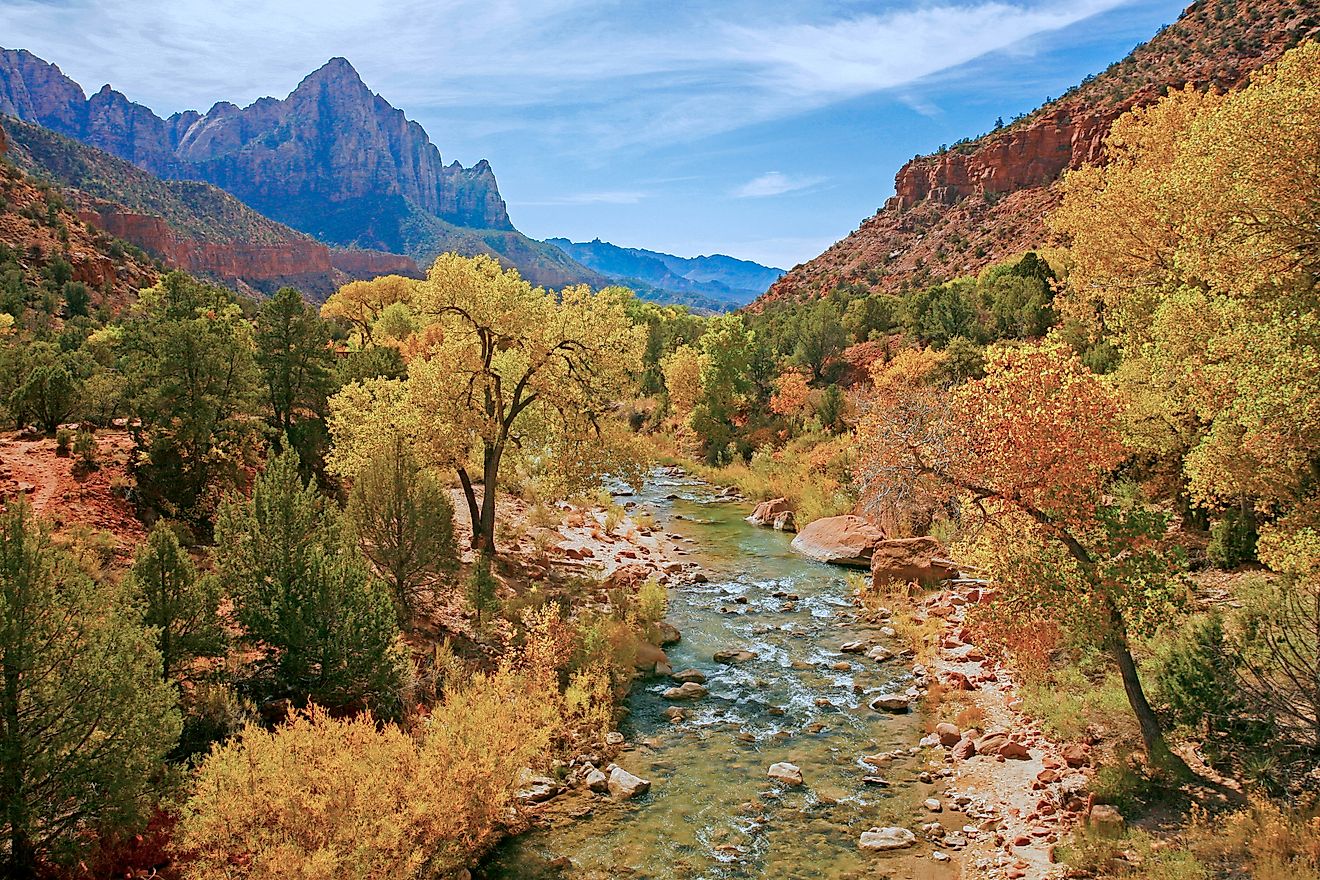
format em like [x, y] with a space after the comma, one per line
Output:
[712, 812]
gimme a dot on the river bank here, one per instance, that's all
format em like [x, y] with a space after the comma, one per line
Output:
[785, 666]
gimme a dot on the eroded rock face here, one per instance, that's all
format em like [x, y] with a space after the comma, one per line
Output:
[842, 540]
[777, 513]
[907, 560]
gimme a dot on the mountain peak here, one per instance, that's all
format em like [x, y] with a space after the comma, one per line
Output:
[337, 70]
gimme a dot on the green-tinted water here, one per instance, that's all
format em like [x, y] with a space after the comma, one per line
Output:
[711, 812]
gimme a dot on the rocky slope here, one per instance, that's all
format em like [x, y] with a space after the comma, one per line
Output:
[714, 283]
[332, 160]
[189, 224]
[38, 226]
[986, 199]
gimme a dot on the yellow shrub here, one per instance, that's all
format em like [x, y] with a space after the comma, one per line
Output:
[338, 799]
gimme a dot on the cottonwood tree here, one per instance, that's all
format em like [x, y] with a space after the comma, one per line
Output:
[360, 303]
[1032, 446]
[306, 597]
[85, 716]
[501, 366]
[403, 519]
[181, 606]
[1196, 252]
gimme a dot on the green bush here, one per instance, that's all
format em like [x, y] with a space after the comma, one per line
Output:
[1232, 540]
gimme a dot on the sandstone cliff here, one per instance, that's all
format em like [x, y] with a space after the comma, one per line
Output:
[985, 200]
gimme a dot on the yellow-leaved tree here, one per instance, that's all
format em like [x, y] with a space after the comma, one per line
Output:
[498, 367]
[361, 303]
[1197, 250]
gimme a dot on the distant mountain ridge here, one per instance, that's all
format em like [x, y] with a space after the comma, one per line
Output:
[716, 282]
[333, 160]
[985, 199]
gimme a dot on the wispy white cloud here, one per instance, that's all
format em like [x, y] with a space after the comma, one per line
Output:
[609, 197]
[595, 75]
[774, 183]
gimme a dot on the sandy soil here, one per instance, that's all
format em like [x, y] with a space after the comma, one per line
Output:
[31, 467]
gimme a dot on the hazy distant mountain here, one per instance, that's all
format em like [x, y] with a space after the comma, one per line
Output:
[715, 282]
[332, 160]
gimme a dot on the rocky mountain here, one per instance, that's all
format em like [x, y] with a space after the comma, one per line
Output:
[333, 160]
[985, 199]
[189, 224]
[715, 283]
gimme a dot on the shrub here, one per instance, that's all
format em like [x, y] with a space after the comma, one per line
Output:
[341, 799]
[482, 588]
[84, 451]
[63, 442]
[1232, 540]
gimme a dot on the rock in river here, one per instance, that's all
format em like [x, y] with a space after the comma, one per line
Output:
[690, 674]
[734, 656]
[688, 690]
[784, 772]
[843, 540]
[885, 839]
[890, 703]
[624, 785]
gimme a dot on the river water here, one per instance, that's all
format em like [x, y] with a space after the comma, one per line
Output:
[712, 813]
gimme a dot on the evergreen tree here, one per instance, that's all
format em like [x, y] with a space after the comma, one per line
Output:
[84, 714]
[403, 520]
[306, 596]
[292, 351]
[179, 604]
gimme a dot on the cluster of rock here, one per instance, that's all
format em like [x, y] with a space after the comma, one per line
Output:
[777, 514]
[590, 773]
[852, 541]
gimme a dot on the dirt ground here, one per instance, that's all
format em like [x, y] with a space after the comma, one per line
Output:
[69, 498]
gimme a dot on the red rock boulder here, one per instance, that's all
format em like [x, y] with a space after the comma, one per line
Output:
[907, 560]
[842, 540]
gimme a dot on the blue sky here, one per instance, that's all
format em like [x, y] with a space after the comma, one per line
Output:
[758, 128]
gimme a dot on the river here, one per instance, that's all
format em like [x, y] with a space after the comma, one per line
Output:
[712, 813]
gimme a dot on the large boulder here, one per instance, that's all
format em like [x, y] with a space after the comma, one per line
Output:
[688, 690]
[649, 655]
[842, 540]
[777, 513]
[784, 772]
[908, 560]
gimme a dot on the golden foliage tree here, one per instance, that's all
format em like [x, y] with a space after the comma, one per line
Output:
[1030, 447]
[505, 367]
[1196, 248]
[361, 303]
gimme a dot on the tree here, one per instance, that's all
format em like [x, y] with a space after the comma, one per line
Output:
[682, 372]
[1195, 253]
[820, 337]
[501, 366]
[293, 353]
[403, 520]
[360, 303]
[187, 352]
[1032, 445]
[305, 597]
[48, 384]
[85, 716]
[790, 395]
[178, 604]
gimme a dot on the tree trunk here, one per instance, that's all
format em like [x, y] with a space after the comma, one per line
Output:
[1151, 733]
[491, 456]
[473, 513]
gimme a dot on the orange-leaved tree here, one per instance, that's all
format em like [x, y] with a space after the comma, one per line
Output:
[1032, 446]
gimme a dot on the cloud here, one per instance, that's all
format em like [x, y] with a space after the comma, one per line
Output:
[588, 76]
[610, 197]
[774, 183]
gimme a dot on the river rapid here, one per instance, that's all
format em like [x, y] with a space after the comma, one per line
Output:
[712, 813]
